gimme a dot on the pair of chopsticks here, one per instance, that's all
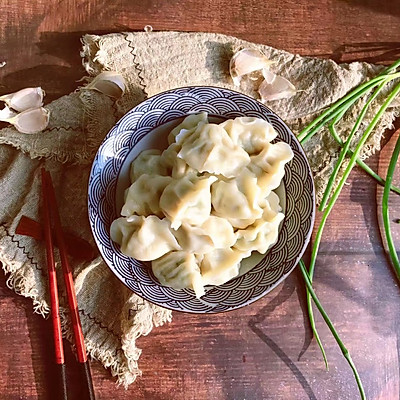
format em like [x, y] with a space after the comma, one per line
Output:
[50, 213]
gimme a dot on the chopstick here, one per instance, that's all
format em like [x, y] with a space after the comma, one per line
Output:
[55, 308]
[50, 200]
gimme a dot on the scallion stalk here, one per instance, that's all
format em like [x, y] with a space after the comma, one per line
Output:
[346, 146]
[342, 104]
[328, 322]
[385, 208]
[337, 107]
[346, 173]
[342, 181]
[336, 193]
[361, 163]
[334, 114]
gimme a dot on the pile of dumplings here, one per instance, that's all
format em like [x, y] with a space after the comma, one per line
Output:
[205, 203]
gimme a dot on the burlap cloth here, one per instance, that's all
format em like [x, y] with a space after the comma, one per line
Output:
[113, 318]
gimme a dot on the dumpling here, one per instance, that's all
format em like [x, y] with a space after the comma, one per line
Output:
[143, 196]
[237, 199]
[177, 167]
[147, 162]
[193, 239]
[241, 223]
[190, 122]
[214, 233]
[221, 265]
[187, 199]
[251, 133]
[206, 202]
[181, 169]
[220, 231]
[271, 204]
[210, 149]
[143, 238]
[263, 233]
[269, 165]
[179, 270]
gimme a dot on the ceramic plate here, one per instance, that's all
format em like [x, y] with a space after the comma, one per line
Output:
[146, 126]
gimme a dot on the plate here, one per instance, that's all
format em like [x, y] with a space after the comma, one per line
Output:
[146, 126]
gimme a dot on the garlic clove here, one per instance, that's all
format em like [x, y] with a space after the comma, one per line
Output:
[268, 75]
[6, 114]
[245, 62]
[275, 87]
[24, 99]
[30, 121]
[2, 64]
[110, 83]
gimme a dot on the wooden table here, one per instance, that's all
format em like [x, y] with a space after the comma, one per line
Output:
[263, 351]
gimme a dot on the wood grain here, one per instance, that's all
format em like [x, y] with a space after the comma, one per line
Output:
[251, 353]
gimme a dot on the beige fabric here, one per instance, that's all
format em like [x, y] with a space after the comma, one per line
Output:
[112, 317]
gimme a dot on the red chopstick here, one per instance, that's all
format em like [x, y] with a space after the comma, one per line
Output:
[69, 282]
[68, 279]
[55, 308]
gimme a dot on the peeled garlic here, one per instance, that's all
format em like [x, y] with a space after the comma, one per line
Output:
[2, 64]
[24, 99]
[246, 61]
[28, 121]
[109, 83]
[275, 87]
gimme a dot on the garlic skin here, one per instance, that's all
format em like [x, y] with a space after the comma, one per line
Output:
[30, 121]
[24, 99]
[110, 83]
[275, 87]
[245, 62]
[6, 113]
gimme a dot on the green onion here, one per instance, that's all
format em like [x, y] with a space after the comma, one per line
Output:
[390, 68]
[344, 350]
[336, 193]
[317, 338]
[361, 163]
[354, 95]
[346, 146]
[347, 171]
[337, 107]
[342, 105]
[342, 181]
[385, 208]
[333, 114]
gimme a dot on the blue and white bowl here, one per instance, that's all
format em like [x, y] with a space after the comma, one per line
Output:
[147, 126]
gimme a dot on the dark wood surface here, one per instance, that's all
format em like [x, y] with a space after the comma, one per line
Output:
[263, 351]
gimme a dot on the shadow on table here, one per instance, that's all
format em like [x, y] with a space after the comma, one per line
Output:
[389, 7]
[371, 52]
[60, 70]
[57, 78]
[290, 285]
